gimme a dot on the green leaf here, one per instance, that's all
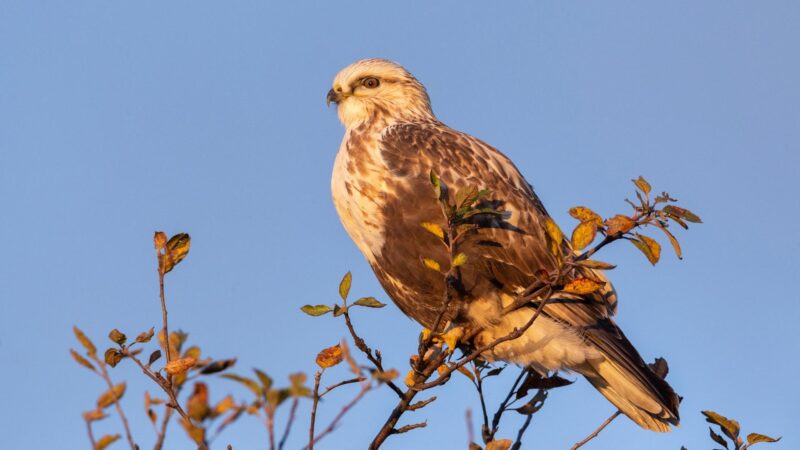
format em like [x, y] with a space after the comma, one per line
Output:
[117, 336]
[459, 260]
[248, 382]
[642, 184]
[316, 310]
[344, 285]
[369, 302]
[755, 438]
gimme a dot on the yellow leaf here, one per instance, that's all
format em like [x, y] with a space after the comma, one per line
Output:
[582, 286]
[344, 285]
[729, 426]
[755, 438]
[81, 360]
[110, 396]
[431, 264]
[97, 414]
[553, 231]
[330, 356]
[179, 366]
[452, 336]
[388, 375]
[459, 260]
[583, 235]
[501, 444]
[466, 373]
[585, 214]
[642, 184]
[224, 405]
[648, 246]
[175, 250]
[91, 350]
[435, 229]
[619, 224]
[411, 378]
[159, 240]
[105, 441]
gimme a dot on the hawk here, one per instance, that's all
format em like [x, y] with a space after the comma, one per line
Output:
[382, 193]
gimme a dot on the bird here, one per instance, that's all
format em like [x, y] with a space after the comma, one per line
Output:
[381, 189]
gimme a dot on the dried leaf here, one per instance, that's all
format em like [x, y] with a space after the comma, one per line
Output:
[755, 438]
[594, 264]
[94, 415]
[106, 440]
[81, 360]
[642, 184]
[583, 235]
[729, 426]
[248, 382]
[717, 438]
[108, 397]
[619, 224]
[218, 366]
[192, 352]
[388, 375]
[682, 213]
[91, 350]
[460, 260]
[500, 444]
[176, 250]
[112, 357]
[117, 336]
[435, 229]
[316, 310]
[534, 404]
[431, 264]
[297, 386]
[466, 373]
[585, 214]
[152, 415]
[648, 246]
[197, 434]
[369, 302]
[266, 380]
[582, 286]
[179, 366]
[145, 336]
[330, 356]
[153, 357]
[338, 310]
[159, 240]
[675, 245]
[224, 405]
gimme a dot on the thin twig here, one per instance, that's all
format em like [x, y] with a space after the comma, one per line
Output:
[271, 426]
[317, 377]
[162, 433]
[470, 427]
[90, 433]
[365, 387]
[104, 374]
[518, 444]
[597, 431]
[341, 383]
[374, 359]
[502, 408]
[289, 422]
[407, 428]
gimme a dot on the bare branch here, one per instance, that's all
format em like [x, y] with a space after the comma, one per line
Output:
[597, 431]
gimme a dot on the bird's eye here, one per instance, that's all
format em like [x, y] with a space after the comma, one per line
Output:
[370, 83]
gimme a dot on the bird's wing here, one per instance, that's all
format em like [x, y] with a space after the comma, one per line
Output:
[508, 253]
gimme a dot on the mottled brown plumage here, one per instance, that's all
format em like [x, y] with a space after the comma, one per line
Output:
[381, 190]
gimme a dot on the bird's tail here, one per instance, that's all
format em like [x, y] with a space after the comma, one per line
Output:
[632, 386]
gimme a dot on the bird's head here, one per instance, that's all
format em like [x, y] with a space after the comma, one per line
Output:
[378, 89]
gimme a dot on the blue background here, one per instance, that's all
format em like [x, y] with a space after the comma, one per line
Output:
[117, 119]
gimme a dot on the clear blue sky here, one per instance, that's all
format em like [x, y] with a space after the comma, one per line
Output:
[209, 117]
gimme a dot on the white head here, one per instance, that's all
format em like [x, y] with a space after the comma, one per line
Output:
[373, 89]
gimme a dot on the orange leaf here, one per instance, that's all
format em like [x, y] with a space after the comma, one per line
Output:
[582, 286]
[330, 357]
[179, 366]
[619, 224]
[585, 214]
[583, 235]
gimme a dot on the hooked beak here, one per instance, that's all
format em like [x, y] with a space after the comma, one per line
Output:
[332, 96]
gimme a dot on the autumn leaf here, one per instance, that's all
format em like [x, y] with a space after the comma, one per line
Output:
[159, 240]
[675, 245]
[682, 213]
[105, 441]
[500, 444]
[176, 250]
[717, 438]
[91, 350]
[81, 360]
[224, 405]
[584, 214]
[642, 184]
[582, 286]
[459, 260]
[330, 356]
[648, 246]
[431, 264]
[154, 357]
[266, 380]
[197, 406]
[388, 375]
[247, 382]
[344, 285]
[619, 224]
[112, 357]
[117, 336]
[435, 229]
[729, 426]
[369, 302]
[594, 264]
[755, 438]
[553, 231]
[583, 235]
[108, 397]
[316, 310]
[145, 336]
[218, 366]
[180, 366]
[94, 415]
[297, 386]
